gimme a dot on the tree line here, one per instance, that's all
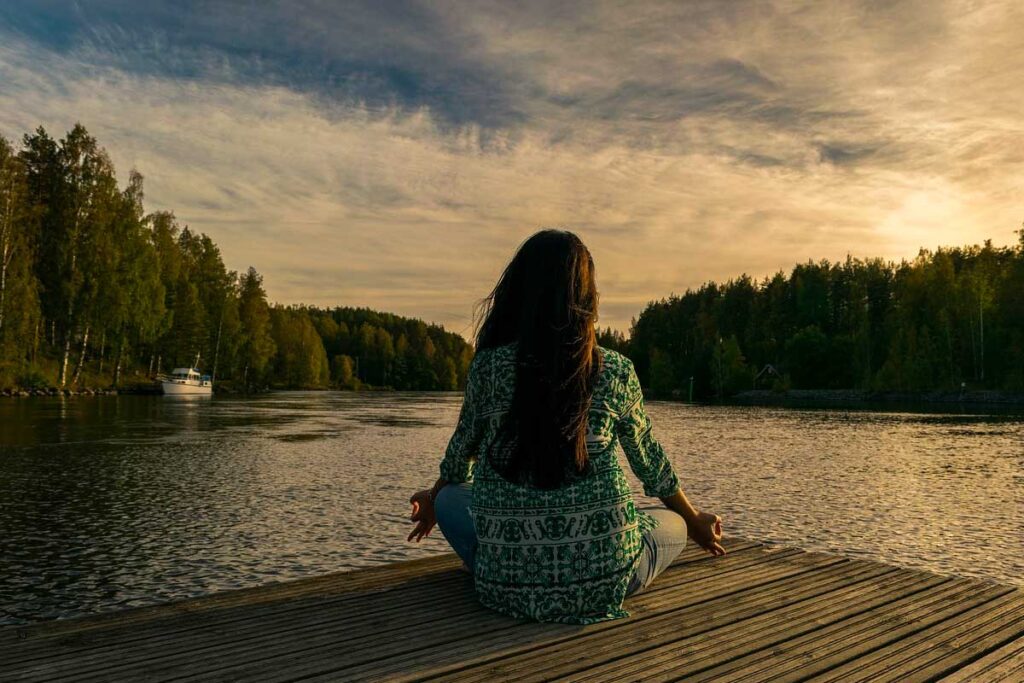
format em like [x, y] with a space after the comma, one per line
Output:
[96, 292]
[949, 319]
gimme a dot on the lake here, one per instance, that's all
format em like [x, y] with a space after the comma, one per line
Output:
[121, 501]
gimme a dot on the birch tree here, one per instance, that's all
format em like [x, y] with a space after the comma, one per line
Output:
[73, 184]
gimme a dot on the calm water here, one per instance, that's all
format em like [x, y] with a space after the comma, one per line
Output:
[123, 501]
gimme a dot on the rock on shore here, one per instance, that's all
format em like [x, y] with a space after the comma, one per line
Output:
[85, 391]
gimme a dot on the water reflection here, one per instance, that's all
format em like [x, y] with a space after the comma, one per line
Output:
[110, 502]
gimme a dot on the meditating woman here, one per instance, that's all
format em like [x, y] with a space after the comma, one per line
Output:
[531, 495]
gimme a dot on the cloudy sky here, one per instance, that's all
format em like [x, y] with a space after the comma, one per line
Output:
[394, 154]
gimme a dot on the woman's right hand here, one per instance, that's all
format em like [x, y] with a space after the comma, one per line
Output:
[706, 531]
[423, 514]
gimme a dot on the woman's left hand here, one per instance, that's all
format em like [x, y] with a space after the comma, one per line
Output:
[422, 514]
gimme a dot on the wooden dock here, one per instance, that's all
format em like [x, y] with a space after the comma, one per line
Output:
[756, 614]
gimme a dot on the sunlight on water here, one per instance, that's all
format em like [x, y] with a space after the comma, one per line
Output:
[124, 501]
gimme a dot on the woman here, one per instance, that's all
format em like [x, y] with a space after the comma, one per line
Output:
[531, 495]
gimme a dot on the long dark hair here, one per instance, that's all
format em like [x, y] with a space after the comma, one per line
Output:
[546, 300]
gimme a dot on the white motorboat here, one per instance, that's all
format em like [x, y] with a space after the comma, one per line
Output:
[186, 381]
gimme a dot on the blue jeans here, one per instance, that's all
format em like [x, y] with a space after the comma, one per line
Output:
[661, 545]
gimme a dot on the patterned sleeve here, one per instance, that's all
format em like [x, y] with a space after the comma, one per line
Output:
[460, 456]
[645, 455]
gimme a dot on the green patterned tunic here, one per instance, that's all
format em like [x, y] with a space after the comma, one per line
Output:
[564, 555]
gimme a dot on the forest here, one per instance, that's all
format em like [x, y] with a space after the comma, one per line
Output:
[95, 292]
[949, 319]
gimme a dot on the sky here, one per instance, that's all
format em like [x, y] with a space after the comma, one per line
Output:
[394, 154]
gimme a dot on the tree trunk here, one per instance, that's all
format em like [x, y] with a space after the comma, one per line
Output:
[245, 378]
[103, 348]
[117, 365]
[152, 360]
[64, 361]
[4, 251]
[67, 344]
[216, 348]
[81, 357]
[71, 305]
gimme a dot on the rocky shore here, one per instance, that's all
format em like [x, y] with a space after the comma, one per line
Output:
[85, 391]
[132, 389]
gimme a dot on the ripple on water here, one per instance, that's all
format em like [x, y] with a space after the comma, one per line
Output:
[138, 500]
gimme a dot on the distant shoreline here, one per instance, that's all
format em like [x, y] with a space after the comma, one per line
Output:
[759, 397]
[51, 391]
[154, 390]
[857, 397]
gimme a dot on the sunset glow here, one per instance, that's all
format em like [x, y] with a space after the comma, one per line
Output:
[394, 158]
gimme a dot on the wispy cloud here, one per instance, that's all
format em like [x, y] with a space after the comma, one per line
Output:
[394, 155]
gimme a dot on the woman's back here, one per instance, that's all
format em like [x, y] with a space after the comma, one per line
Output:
[564, 554]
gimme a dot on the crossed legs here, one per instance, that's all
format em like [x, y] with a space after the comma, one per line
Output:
[661, 545]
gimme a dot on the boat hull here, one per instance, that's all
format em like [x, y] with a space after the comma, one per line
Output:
[171, 388]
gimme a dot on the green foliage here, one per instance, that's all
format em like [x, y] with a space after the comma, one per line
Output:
[94, 290]
[92, 287]
[343, 372]
[662, 374]
[729, 368]
[612, 339]
[256, 344]
[370, 348]
[948, 317]
[19, 300]
[32, 378]
[301, 361]
[809, 358]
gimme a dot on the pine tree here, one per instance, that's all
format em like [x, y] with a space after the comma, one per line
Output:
[257, 346]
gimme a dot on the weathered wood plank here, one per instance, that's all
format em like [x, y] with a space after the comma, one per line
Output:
[1005, 663]
[799, 656]
[342, 582]
[935, 650]
[687, 652]
[523, 646]
[756, 614]
[164, 624]
[375, 662]
[335, 591]
[377, 613]
[355, 645]
[588, 656]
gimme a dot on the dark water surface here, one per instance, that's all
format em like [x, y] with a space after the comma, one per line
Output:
[112, 502]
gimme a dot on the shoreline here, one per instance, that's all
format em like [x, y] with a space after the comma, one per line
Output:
[866, 398]
[86, 391]
[755, 397]
[154, 390]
